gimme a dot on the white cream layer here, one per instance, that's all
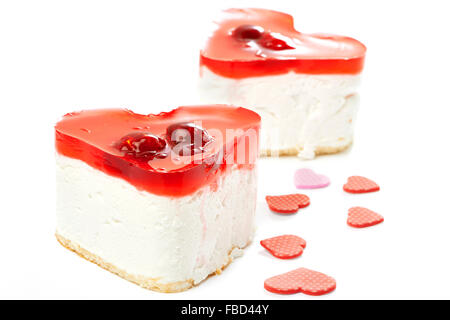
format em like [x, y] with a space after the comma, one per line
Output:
[299, 111]
[173, 239]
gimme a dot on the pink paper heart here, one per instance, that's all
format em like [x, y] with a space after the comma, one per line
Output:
[308, 179]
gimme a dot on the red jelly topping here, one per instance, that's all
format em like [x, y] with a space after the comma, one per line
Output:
[260, 42]
[140, 148]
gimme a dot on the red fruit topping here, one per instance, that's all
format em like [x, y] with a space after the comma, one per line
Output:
[272, 43]
[261, 38]
[248, 32]
[289, 203]
[301, 280]
[284, 247]
[359, 217]
[187, 138]
[143, 145]
[260, 42]
[97, 146]
[357, 184]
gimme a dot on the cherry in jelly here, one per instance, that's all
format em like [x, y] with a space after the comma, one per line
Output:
[186, 138]
[145, 146]
[248, 32]
[262, 38]
[268, 41]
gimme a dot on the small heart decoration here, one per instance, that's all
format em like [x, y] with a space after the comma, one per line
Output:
[358, 184]
[301, 280]
[289, 203]
[284, 247]
[308, 179]
[359, 217]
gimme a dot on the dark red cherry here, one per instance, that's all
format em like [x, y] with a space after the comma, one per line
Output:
[186, 138]
[143, 145]
[272, 43]
[248, 32]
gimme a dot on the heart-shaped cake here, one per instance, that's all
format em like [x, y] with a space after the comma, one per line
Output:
[144, 196]
[303, 85]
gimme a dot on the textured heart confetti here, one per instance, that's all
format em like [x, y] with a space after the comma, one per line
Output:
[289, 203]
[359, 217]
[308, 179]
[284, 247]
[301, 280]
[358, 184]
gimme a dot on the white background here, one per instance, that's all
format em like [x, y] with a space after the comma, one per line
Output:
[60, 56]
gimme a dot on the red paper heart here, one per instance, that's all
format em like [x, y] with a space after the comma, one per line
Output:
[289, 203]
[359, 217]
[357, 184]
[284, 247]
[301, 280]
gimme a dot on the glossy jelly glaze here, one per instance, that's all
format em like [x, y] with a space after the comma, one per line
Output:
[277, 49]
[101, 139]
